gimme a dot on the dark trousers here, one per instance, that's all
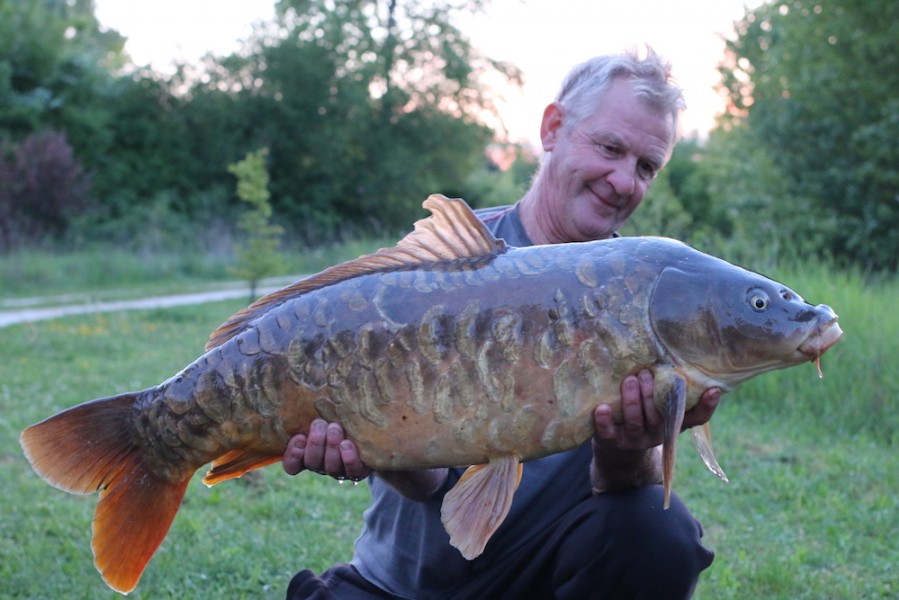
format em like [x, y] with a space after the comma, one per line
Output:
[614, 546]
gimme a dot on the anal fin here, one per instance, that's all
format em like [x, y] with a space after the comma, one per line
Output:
[477, 505]
[236, 463]
[702, 439]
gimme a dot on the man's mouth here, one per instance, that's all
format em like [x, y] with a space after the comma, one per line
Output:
[611, 201]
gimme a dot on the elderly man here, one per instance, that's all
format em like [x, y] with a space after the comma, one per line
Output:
[587, 523]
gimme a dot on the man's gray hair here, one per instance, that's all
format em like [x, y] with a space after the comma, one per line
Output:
[650, 76]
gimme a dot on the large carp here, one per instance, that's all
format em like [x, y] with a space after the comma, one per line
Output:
[479, 354]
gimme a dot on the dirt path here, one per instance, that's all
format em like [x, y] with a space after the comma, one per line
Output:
[28, 315]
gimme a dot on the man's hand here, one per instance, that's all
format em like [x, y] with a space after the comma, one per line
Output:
[642, 427]
[625, 454]
[324, 450]
[327, 451]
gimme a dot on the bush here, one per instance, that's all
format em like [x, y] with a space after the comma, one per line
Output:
[42, 187]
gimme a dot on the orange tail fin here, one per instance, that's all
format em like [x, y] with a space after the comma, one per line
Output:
[89, 448]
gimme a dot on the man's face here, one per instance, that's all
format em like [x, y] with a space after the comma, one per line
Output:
[601, 167]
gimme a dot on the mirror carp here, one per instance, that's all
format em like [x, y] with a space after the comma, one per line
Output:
[449, 349]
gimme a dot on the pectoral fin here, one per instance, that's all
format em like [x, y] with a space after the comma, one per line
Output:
[673, 417]
[479, 502]
[702, 439]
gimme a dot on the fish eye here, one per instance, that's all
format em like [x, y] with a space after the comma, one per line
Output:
[786, 295]
[758, 300]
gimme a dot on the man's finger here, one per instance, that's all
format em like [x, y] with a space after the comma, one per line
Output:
[333, 463]
[603, 423]
[292, 461]
[314, 457]
[632, 405]
[352, 462]
[651, 415]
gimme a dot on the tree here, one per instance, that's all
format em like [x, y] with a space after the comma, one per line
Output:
[366, 107]
[689, 182]
[365, 112]
[56, 67]
[661, 213]
[257, 256]
[816, 85]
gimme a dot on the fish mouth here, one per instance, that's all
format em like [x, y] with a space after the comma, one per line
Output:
[824, 336]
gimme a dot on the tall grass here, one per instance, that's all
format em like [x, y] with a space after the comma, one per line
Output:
[103, 270]
[860, 388]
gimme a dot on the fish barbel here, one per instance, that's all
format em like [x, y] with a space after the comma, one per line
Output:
[480, 354]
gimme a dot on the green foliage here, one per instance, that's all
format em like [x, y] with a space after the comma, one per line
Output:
[815, 85]
[354, 136]
[751, 210]
[504, 178]
[690, 184]
[55, 72]
[366, 109]
[258, 255]
[661, 213]
[42, 187]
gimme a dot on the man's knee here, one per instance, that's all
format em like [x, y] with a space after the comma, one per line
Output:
[628, 544]
[639, 522]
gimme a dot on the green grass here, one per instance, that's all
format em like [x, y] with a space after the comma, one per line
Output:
[105, 273]
[811, 510]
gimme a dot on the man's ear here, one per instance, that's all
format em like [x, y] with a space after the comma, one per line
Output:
[551, 126]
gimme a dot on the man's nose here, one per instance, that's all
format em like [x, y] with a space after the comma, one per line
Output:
[623, 179]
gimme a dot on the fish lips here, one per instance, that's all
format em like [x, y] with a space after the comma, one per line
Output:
[825, 335]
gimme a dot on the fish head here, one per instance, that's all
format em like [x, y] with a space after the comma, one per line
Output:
[732, 324]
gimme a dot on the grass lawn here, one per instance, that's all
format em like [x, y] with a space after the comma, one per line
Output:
[811, 510]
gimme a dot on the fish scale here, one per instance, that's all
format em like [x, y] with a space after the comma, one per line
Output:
[449, 349]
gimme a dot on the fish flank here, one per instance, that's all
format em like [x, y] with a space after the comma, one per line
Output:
[569, 384]
[368, 408]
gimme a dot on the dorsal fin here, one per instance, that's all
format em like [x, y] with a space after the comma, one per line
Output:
[452, 232]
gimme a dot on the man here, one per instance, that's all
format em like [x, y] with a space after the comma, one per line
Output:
[584, 523]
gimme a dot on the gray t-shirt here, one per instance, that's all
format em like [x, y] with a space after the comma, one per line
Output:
[403, 547]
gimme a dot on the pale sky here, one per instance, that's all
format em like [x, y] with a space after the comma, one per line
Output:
[544, 38]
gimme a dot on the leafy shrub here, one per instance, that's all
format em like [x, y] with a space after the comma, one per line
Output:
[42, 187]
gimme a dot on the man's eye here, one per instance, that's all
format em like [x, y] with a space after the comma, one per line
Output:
[647, 170]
